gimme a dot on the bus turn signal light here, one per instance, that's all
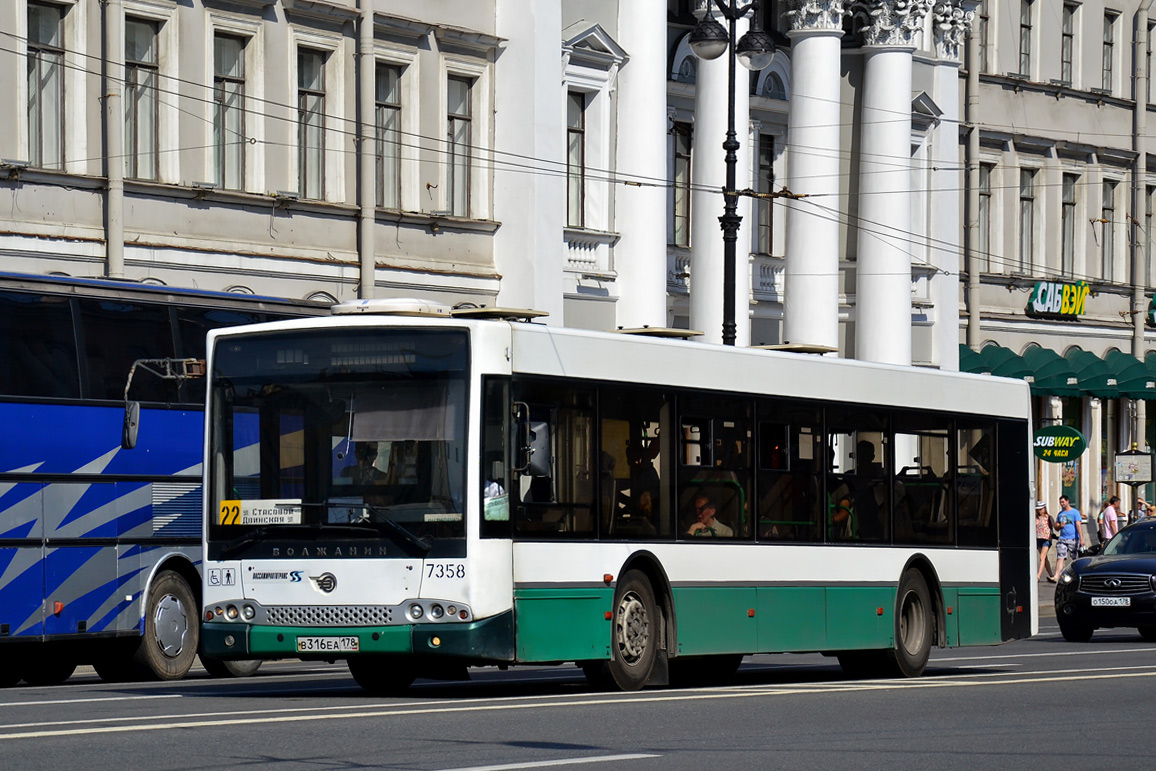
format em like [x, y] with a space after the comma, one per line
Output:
[607, 578]
[879, 611]
[57, 608]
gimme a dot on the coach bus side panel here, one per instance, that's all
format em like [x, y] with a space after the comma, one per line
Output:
[1015, 556]
[22, 566]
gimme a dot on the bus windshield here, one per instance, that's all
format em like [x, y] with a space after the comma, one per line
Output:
[324, 438]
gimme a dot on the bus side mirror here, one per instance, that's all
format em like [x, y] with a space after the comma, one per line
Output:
[131, 425]
[533, 443]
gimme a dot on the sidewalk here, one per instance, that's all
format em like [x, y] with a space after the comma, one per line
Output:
[1047, 603]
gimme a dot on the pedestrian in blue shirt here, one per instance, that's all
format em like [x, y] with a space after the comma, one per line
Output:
[1068, 521]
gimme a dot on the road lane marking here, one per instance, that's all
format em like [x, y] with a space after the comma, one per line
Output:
[1085, 652]
[581, 703]
[559, 762]
[54, 702]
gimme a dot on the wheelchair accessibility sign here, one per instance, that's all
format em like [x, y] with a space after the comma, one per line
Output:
[222, 577]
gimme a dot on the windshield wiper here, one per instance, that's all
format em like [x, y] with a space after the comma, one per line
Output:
[418, 543]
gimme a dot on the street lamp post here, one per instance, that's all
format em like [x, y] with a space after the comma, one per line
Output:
[709, 40]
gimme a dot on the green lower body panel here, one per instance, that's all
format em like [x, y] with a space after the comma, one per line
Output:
[716, 620]
[979, 615]
[563, 624]
[490, 639]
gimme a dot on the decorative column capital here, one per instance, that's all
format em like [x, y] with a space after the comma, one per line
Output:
[816, 15]
[952, 20]
[890, 22]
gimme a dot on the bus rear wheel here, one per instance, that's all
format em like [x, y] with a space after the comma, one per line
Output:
[913, 627]
[48, 669]
[381, 675]
[172, 631]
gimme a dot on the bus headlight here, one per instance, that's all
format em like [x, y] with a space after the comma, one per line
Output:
[436, 611]
[416, 611]
[232, 612]
[248, 611]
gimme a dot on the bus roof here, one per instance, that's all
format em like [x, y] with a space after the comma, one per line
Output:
[538, 349]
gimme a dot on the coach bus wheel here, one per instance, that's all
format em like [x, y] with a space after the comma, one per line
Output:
[220, 668]
[912, 625]
[381, 675]
[47, 669]
[171, 629]
[635, 641]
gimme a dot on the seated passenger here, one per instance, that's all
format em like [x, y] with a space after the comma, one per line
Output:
[705, 523]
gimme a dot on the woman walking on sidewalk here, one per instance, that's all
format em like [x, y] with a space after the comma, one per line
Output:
[1044, 525]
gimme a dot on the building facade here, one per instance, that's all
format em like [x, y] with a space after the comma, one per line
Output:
[1058, 221]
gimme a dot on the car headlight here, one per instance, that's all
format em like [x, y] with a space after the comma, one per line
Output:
[1067, 576]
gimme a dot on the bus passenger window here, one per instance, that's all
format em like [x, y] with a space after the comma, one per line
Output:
[858, 485]
[923, 507]
[553, 497]
[974, 484]
[633, 491]
[714, 476]
[787, 480]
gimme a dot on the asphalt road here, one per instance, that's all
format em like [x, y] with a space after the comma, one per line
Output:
[1036, 703]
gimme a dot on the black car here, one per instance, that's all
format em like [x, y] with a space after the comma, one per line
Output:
[1115, 588]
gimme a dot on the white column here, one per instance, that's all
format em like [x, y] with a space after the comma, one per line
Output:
[1092, 470]
[530, 121]
[640, 212]
[708, 177]
[1050, 482]
[883, 270]
[811, 276]
[951, 24]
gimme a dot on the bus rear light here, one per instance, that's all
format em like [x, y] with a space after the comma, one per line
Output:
[463, 615]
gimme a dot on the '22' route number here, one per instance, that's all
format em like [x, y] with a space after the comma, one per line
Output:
[445, 570]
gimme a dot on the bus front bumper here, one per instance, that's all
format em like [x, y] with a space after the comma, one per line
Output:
[489, 639]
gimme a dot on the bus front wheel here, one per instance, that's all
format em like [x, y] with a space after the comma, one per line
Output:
[381, 675]
[634, 645]
[221, 668]
[171, 632]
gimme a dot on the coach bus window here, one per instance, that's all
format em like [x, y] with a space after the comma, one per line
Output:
[37, 346]
[559, 501]
[192, 326]
[787, 482]
[858, 489]
[714, 466]
[632, 477]
[115, 335]
[923, 506]
[975, 486]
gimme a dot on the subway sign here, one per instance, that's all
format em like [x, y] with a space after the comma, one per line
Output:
[1058, 444]
[1058, 299]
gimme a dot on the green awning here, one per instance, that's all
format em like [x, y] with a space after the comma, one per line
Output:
[1003, 362]
[1052, 374]
[1096, 377]
[970, 361]
[1134, 379]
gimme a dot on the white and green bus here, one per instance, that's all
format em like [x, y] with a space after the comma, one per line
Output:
[420, 495]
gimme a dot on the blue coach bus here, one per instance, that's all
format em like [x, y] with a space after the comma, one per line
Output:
[100, 546]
